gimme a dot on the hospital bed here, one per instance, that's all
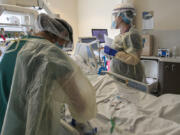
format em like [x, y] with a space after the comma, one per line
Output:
[130, 110]
[133, 111]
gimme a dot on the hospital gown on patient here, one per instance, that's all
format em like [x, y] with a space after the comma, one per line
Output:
[44, 79]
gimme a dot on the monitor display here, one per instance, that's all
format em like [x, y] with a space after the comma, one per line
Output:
[89, 40]
[99, 34]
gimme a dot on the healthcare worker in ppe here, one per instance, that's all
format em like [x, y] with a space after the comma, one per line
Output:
[44, 79]
[128, 44]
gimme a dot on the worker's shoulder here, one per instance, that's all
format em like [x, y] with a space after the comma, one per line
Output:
[38, 49]
[117, 38]
[134, 35]
[134, 31]
[35, 45]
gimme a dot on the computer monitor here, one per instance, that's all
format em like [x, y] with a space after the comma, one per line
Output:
[89, 40]
[99, 34]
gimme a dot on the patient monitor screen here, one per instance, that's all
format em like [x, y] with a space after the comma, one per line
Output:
[99, 34]
[89, 40]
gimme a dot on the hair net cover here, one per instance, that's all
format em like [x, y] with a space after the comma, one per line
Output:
[123, 7]
[44, 79]
[58, 27]
[68, 27]
[127, 62]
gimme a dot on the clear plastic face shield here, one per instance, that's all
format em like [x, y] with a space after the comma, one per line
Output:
[114, 16]
[126, 14]
[64, 44]
[68, 45]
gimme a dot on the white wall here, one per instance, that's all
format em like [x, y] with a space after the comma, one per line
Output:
[68, 11]
[166, 13]
[95, 14]
[166, 22]
[84, 15]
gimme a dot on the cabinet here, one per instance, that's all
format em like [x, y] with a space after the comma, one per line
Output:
[169, 74]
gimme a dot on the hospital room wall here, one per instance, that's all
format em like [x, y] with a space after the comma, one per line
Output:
[166, 22]
[95, 14]
[165, 13]
[68, 11]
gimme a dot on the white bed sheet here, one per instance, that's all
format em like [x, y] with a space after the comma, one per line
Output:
[135, 112]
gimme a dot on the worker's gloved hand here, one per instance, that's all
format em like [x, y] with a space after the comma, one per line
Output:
[109, 51]
[84, 128]
[130, 59]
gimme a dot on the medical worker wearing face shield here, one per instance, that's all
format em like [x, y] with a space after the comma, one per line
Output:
[44, 79]
[128, 44]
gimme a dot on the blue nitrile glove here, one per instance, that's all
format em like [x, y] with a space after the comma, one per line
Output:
[109, 51]
[102, 69]
[73, 123]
